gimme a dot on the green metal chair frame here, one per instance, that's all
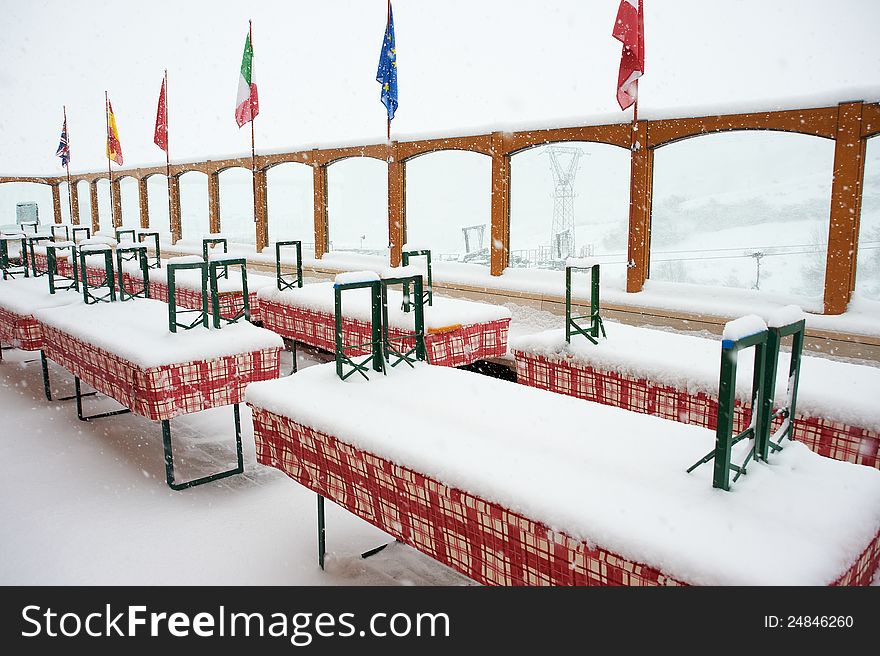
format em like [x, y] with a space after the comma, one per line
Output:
[418, 351]
[29, 224]
[288, 281]
[54, 276]
[127, 253]
[375, 359]
[797, 331]
[6, 262]
[724, 437]
[126, 231]
[572, 327]
[55, 227]
[31, 242]
[157, 257]
[213, 279]
[214, 241]
[428, 283]
[90, 298]
[202, 315]
[77, 229]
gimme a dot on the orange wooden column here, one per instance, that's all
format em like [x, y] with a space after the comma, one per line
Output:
[93, 197]
[499, 247]
[117, 204]
[56, 201]
[640, 183]
[319, 180]
[846, 200]
[214, 202]
[144, 203]
[261, 214]
[174, 208]
[396, 205]
[74, 202]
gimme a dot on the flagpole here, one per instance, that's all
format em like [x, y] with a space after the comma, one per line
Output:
[167, 152]
[387, 118]
[67, 166]
[251, 104]
[109, 170]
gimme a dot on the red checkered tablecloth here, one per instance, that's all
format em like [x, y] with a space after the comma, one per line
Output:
[230, 302]
[824, 436]
[450, 348]
[166, 391]
[20, 331]
[483, 540]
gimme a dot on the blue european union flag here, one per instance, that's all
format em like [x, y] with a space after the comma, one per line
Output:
[387, 73]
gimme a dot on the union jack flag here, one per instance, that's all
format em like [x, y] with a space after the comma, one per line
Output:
[63, 147]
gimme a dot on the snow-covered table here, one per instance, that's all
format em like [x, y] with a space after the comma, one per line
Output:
[19, 299]
[457, 332]
[126, 351]
[675, 376]
[513, 485]
[189, 288]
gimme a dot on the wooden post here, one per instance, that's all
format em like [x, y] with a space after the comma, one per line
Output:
[144, 203]
[174, 208]
[846, 200]
[396, 204]
[640, 183]
[499, 245]
[261, 210]
[93, 196]
[319, 180]
[214, 202]
[117, 203]
[74, 202]
[56, 201]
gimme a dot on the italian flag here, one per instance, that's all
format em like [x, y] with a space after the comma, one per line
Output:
[248, 104]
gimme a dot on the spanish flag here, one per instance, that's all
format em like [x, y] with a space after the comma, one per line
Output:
[114, 148]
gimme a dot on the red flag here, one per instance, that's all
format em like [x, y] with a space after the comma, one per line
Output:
[629, 29]
[160, 137]
[114, 148]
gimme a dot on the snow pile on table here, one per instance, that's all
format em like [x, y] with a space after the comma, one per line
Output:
[444, 313]
[23, 296]
[351, 277]
[137, 330]
[828, 389]
[601, 474]
[581, 262]
[785, 316]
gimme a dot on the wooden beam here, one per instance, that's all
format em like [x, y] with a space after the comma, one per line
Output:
[499, 245]
[174, 208]
[116, 210]
[319, 178]
[74, 202]
[481, 143]
[639, 242]
[144, 203]
[616, 134]
[214, 202]
[396, 205]
[56, 202]
[846, 193]
[261, 210]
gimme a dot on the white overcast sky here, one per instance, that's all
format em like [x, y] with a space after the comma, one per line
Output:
[465, 66]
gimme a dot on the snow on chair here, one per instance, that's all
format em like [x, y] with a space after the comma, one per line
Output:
[743, 333]
[90, 292]
[289, 280]
[11, 264]
[80, 229]
[789, 321]
[57, 281]
[55, 236]
[428, 282]
[156, 258]
[32, 242]
[408, 277]
[572, 327]
[208, 243]
[141, 288]
[214, 266]
[186, 263]
[130, 232]
[352, 281]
